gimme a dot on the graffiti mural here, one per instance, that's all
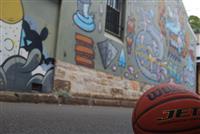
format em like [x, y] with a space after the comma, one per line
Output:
[154, 47]
[149, 48]
[176, 35]
[33, 40]
[131, 34]
[132, 72]
[82, 18]
[114, 68]
[172, 25]
[11, 27]
[188, 70]
[23, 62]
[108, 52]
[161, 18]
[84, 51]
[188, 54]
[122, 59]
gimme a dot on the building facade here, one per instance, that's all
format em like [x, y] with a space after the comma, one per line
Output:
[112, 48]
[198, 61]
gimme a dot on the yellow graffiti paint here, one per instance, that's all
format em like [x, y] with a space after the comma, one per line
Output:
[162, 64]
[11, 11]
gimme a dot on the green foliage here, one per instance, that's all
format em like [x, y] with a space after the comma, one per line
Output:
[195, 23]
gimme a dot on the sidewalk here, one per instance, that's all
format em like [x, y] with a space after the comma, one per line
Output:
[55, 98]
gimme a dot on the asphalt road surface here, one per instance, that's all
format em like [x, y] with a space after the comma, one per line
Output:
[22, 118]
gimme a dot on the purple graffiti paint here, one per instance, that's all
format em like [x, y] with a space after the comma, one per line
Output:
[114, 68]
[126, 75]
[130, 69]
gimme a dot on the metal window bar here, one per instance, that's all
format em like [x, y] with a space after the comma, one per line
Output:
[113, 21]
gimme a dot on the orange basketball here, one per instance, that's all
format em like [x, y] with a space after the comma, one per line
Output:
[167, 109]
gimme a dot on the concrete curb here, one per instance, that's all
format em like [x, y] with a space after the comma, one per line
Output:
[51, 98]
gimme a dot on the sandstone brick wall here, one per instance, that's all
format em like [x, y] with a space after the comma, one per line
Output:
[80, 81]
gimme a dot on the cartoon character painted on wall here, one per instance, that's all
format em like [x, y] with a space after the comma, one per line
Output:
[22, 56]
[33, 40]
[82, 18]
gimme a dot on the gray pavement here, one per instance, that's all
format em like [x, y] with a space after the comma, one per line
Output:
[24, 118]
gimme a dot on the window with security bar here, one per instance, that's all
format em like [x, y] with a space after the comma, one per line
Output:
[114, 17]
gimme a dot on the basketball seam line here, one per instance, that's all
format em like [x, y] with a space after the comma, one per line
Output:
[181, 91]
[185, 97]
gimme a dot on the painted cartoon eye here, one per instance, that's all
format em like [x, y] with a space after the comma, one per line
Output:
[29, 42]
[9, 44]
